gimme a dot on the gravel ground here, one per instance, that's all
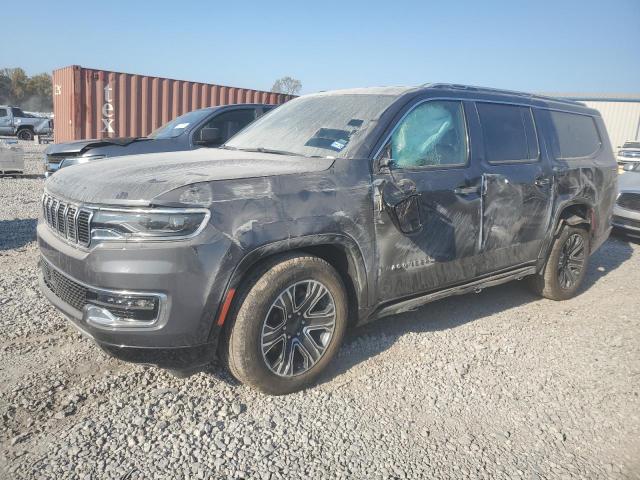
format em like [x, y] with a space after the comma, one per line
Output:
[495, 385]
[33, 156]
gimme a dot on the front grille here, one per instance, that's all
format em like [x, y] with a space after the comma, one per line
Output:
[77, 295]
[630, 201]
[69, 221]
[63, 287]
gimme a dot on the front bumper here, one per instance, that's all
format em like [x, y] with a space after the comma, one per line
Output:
[627, 220]
[188, 278]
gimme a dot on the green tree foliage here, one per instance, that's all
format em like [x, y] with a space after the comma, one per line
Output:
[288, 85]
[28, 93]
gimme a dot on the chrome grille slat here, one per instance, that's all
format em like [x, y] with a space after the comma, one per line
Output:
[72, 233]
[49, 201]
[71, 222]
[54, 214]
[60, 218]
[84, 229]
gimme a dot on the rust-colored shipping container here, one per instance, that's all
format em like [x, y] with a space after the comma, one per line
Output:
[90, 103]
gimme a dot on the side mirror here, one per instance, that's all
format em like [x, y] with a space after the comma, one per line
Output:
[385, 162]
[209, 136]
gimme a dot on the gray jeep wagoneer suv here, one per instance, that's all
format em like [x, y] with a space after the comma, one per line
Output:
[332, 210]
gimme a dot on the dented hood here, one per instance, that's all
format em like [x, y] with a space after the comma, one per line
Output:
[137, 179]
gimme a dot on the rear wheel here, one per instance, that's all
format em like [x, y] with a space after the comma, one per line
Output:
[289, 323]
[25, 134]
[566, 266]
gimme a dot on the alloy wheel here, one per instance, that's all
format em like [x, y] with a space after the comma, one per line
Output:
[571, 262]
[298, 328]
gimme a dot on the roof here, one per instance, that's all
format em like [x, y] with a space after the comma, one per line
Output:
[596, 97]
[497, 91]
[401, 90]
[393, 91]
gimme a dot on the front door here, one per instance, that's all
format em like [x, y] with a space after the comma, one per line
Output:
[5, 122]
[428, 202]
[517, 185]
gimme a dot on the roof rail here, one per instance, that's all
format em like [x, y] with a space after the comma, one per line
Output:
[471, 88]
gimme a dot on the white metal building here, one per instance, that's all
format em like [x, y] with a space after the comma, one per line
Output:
[620, 112]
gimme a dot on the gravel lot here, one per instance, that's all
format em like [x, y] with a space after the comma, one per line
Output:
[495, 385]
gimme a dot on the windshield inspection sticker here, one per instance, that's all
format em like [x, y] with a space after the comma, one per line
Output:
[339, 144]
[182, 125]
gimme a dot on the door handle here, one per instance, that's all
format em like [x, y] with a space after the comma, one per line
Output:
[466, 190]
[543, 181]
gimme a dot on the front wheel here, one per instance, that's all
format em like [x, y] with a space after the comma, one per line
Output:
[289, 323]
[566, 266]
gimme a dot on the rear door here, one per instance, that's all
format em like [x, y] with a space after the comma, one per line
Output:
[517, 185]
[428, 202]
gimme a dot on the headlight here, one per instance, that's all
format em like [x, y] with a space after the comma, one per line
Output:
[67, 162]
[147, 224]
[196, 195]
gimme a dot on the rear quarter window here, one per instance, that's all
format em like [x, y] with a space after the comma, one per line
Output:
[576, 135]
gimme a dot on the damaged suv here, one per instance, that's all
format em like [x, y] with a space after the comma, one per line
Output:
[334, 209]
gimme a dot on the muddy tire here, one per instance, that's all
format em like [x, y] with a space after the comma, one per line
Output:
[566, 265]
[287, 324]
[25, 134]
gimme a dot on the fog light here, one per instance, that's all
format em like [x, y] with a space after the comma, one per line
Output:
[122, 310]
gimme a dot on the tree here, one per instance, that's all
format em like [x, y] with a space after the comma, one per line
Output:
[19, 84]
[39, 88]
[29, 93]
[5, 88]
[288, 85]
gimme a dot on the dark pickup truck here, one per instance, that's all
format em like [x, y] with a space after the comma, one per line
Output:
[335, 209]
[207, 127]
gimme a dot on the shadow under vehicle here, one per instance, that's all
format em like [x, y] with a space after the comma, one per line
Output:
[335, 209]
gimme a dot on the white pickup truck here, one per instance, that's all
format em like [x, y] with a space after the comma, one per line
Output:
[14, 122]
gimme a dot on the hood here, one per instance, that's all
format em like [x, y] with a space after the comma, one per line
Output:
[629, 181]
[137, 179]
[80, 146]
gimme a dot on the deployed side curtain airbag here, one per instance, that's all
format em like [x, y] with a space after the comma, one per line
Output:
[414, 142]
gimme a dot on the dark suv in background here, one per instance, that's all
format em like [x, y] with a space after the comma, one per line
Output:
[335, 209]
[206, 127]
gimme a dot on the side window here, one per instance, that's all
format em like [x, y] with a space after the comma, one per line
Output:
[577, 135]
[432, 134]
[3, 112]
[508, 133]
[230, 123]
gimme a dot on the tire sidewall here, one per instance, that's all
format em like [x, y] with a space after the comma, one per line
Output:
[29, 134]
[552, 264]
[246, 332]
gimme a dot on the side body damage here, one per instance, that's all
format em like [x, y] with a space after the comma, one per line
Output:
[399, 237]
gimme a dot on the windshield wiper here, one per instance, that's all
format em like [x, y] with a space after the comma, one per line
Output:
[269, 150]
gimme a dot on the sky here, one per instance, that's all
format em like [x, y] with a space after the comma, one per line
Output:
[539, 46]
